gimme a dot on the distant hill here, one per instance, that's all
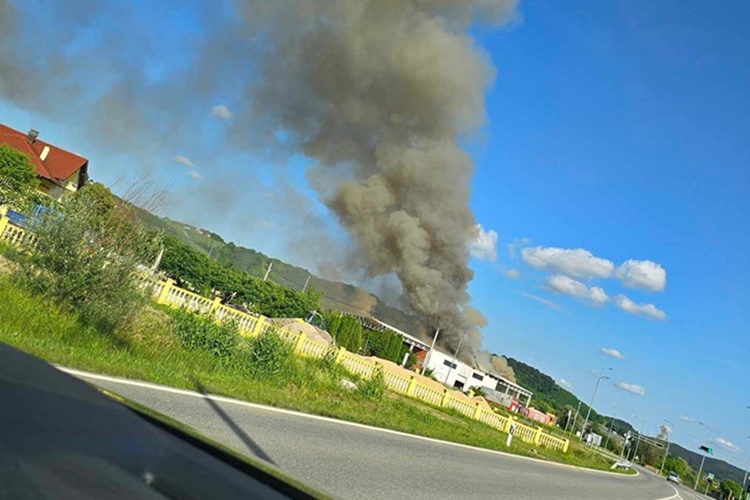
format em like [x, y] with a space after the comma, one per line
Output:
[336, 295]
[547, 391]
[720, 468]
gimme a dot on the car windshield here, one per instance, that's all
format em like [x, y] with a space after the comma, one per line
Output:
[387, 248]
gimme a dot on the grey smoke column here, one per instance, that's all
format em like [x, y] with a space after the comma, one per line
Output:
[378, 93]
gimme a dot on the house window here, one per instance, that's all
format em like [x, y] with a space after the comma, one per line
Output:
[451, 365]
[478, 376]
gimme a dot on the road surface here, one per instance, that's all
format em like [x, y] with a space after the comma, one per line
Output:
[352, 461]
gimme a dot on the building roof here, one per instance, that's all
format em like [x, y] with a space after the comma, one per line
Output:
[57, 166]
[408, 338]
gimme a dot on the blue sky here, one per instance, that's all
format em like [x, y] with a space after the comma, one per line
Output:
[616, 128]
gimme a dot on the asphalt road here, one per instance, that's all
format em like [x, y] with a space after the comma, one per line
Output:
[357, 462]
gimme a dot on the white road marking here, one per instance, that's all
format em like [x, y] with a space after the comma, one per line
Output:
[185, 392]
[673, 497]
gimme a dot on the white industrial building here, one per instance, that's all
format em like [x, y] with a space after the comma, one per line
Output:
[455, 373]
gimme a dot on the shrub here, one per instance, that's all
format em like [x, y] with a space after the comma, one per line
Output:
[270, 356]
[330, 365]
[201, 331]
[16, 170]
[85, 261]
[373, 388]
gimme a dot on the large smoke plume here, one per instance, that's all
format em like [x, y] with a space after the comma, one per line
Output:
[379, 93]
[376, 94]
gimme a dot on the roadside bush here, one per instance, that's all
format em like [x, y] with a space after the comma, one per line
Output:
[330, 365]
[270, 356]
[84, 260]
[373, 388]
[201, 331]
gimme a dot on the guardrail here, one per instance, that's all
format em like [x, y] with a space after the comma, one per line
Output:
[250, 325]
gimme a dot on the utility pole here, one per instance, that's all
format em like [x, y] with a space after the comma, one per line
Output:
[573, 427]
[703, 460]
[596, 387]
[455, 354]
[268, 271]
[567, 421]
[429, 353]
[307, 282]
[669, 442]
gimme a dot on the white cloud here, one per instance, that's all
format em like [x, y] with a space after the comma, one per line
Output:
[221, 112]
[727, 444]
[548, 303]
[565, 383]
[564, 285]
[687, 419]
[614, 353]
[576, 263]
[647, 310]
[512, 274]
[642, 274]
[484, 245]
[635, 389]
[515, 245]
[195, 174]
[184, 160]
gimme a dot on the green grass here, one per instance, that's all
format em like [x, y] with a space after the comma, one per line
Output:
[150, 350]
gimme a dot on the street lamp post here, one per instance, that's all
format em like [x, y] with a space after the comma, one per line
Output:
[596, 387]
[573, 427]
[703, 460]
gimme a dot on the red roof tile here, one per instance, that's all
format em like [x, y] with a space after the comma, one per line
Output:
[58, 165]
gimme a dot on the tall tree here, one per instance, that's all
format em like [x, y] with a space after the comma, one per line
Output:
[16, 169]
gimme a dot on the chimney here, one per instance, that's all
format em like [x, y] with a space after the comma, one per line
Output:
[45, 152]
[32, 135]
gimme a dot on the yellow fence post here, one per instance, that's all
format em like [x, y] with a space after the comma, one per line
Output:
[258, 327]
[215, 304]
[3, 222]
[339, 354]
[565, 446]
[299, 343]
[537, 435]
[412, 386]
[164, 294]
[446, 395]
[477, 411]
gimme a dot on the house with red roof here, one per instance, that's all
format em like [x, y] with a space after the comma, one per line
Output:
[59, 171]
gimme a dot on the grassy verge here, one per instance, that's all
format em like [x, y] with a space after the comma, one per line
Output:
[150, 350]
